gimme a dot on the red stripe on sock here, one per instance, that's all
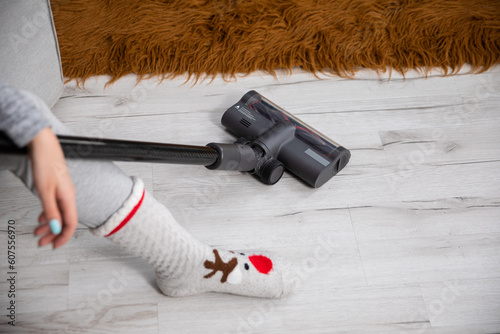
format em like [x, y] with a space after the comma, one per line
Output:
[129, 216]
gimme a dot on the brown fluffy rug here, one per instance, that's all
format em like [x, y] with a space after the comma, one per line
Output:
[228, 37]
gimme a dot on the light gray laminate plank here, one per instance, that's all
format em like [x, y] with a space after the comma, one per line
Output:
[428, 218]
[318, 310]
[37, 289]
[461, 143]
[418, 260]
[474, 304]
[96, 285]
[354, 186]
[490, 327]
[418, 102]
[481, 96]
[132, 318]
[475, 89]
[17, 202]
[443, 180]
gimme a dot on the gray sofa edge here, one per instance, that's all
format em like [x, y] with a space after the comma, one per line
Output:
[29, 50]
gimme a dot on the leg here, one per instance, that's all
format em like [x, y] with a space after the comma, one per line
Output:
[185, 266]
[139, 224]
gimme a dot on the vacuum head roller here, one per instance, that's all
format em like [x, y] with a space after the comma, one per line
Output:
[279, 141]
[270, 141]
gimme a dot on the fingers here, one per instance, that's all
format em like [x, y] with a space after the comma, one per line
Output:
[55, 189]
[50, 211]
[46, 234]
[42, 218]
[65, 207]
[68, 209]
[49, 204]
[47, 239]
[44, 231]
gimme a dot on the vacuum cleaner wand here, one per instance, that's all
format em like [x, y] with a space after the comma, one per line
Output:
[270, 141]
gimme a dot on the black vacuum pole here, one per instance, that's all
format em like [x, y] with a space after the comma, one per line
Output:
[123, 150]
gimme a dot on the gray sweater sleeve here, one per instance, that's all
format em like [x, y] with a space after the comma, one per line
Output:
[19, 118]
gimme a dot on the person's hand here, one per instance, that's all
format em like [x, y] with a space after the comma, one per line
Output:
[55, 189]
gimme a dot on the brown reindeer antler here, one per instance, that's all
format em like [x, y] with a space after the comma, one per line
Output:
[219, 265]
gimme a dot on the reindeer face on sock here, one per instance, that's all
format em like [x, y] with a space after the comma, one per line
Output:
[232, 267]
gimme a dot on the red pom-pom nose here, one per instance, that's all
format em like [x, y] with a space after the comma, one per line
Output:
[262, 263]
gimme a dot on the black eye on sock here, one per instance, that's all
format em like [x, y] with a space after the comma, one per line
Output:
[247, 266]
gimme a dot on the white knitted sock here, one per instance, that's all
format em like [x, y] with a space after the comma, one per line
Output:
[185, 266]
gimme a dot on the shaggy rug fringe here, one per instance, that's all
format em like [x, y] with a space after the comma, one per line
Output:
[209, 37]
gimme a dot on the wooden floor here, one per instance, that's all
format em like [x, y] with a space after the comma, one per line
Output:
[406, 239]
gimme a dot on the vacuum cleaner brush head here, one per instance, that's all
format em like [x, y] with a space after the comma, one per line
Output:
[279, 141]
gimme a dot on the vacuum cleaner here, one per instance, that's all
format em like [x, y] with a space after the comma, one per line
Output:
[270, 141]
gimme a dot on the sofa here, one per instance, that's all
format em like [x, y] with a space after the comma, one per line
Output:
[29, 52]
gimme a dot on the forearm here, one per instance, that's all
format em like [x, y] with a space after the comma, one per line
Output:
[19, 118]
